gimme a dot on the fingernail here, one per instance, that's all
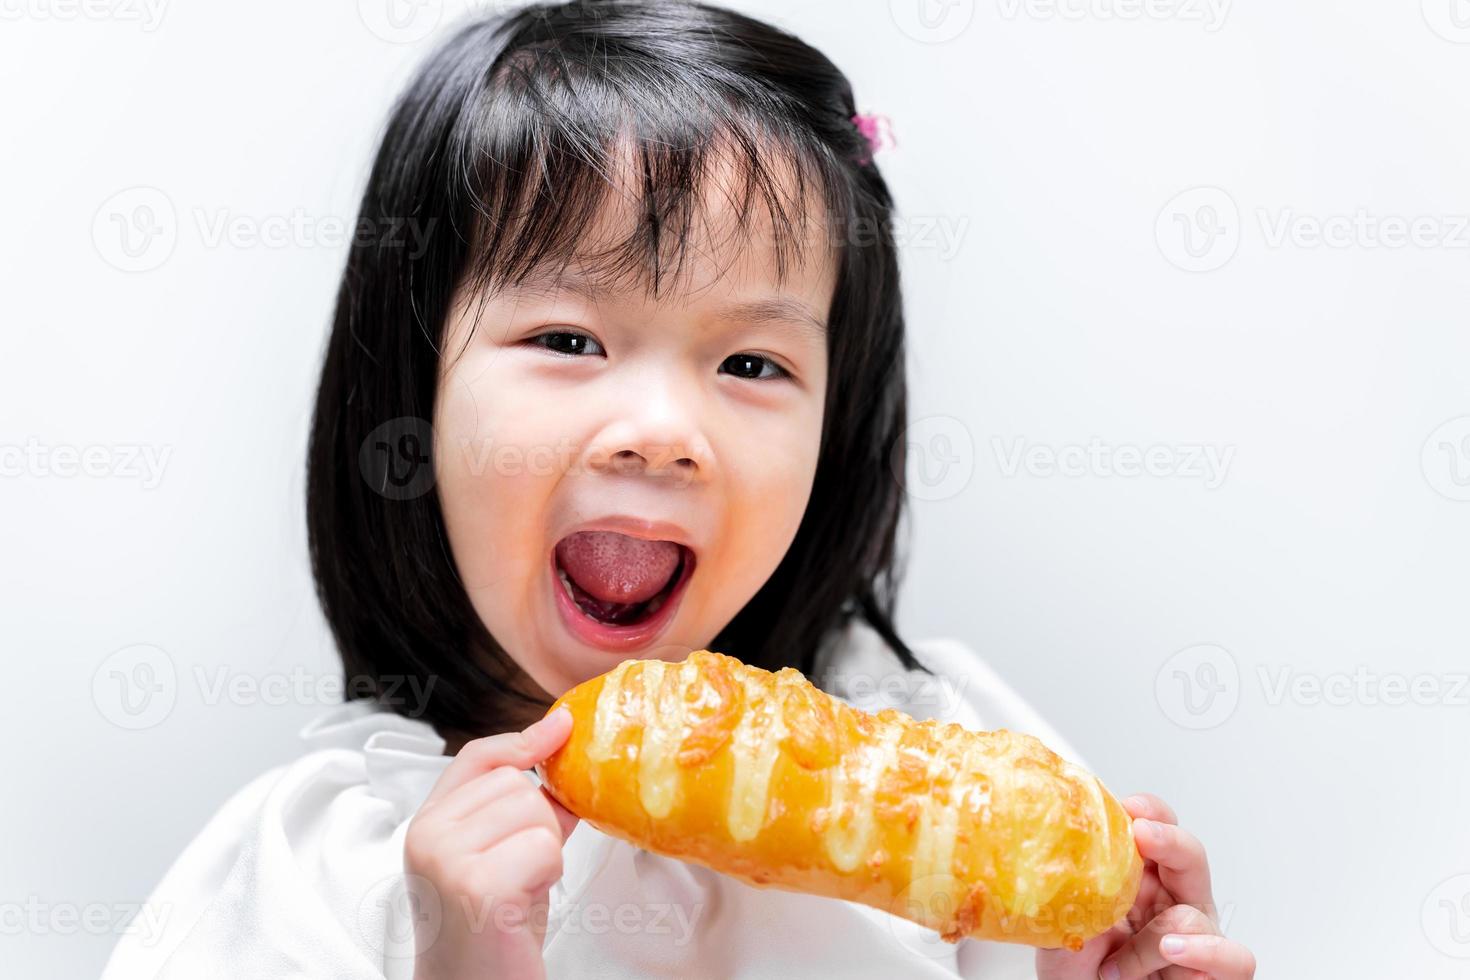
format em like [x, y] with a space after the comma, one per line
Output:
[1172, 944]
[1151, 828]
[1134, 801]
[1109, 971]
[551, 717]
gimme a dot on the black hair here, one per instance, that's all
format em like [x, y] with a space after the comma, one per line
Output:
[495, 155]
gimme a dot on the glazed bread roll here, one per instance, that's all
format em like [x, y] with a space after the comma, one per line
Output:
[764, 777]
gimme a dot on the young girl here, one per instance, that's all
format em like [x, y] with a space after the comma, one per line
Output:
[618, 374]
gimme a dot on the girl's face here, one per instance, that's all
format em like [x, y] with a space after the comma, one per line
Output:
[695, 420]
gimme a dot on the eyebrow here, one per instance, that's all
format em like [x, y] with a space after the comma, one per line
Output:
[778, 309]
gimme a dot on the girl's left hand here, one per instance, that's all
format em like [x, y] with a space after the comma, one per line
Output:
[1172, 932]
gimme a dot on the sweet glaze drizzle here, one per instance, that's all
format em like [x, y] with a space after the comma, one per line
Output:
[672, 715]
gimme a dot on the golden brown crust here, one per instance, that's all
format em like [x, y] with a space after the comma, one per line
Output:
[764, 777]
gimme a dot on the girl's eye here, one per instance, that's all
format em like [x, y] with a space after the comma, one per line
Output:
[567, 344]
[752, 367]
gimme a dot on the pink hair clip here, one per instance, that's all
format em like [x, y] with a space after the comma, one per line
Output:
[877, 130]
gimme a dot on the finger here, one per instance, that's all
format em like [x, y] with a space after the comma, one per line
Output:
[521, 749]
[566, 820]
[1140, 956]
[1151, 901]
[498, 819]
[1181, 973]
[1220, 958]
[475, 795]
[520, 867]
[1149, 807]
[1183, 867]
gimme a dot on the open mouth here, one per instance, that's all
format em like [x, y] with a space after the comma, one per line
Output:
[610, 609]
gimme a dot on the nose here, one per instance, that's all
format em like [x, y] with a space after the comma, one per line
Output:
[655, 431]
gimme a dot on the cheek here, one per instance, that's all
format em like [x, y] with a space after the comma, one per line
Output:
[496, 464]
[769, 474]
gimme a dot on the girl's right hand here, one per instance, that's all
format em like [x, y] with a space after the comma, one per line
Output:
[488, 841]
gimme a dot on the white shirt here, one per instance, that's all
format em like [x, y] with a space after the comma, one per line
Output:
[299, 874]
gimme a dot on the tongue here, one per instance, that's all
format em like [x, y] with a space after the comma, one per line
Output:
[616, 568]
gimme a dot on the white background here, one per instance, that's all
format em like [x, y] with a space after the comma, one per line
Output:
[1064, 301]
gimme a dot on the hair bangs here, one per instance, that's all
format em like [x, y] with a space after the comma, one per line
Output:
[571, 162]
